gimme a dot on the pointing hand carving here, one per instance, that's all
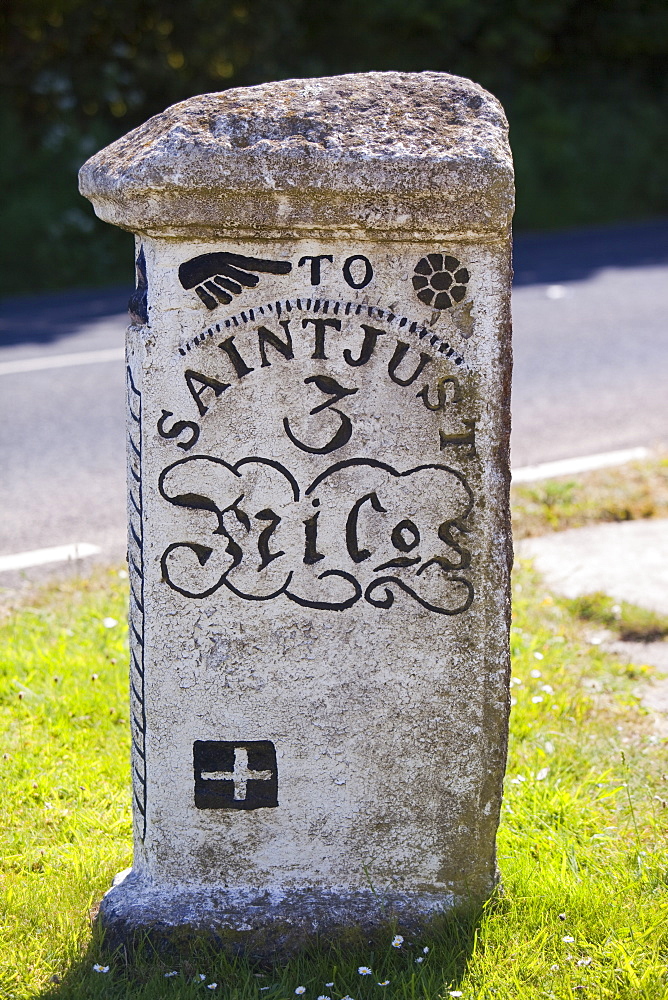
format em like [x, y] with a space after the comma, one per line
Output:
[216, 277]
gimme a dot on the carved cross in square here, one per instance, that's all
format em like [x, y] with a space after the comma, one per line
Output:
[240, 775]
[232, 775]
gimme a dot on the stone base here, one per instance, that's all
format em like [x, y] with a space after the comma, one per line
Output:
[259, 923]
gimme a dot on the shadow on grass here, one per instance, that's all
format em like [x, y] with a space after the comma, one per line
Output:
[423, 964]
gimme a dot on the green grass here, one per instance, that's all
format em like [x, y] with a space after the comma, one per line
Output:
[581, 845]
[625, 493]
[631, 622]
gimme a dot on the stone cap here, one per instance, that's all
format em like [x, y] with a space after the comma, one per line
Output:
[375, 154]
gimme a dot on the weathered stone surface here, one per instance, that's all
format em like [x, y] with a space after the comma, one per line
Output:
[376, 152]
[261, 923]
[318, 503]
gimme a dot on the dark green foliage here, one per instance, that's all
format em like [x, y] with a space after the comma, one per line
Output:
[583, 83]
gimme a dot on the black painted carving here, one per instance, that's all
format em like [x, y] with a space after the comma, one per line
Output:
[320, 328]
[354, 551]
[136, 610]
[177, 428]
[388, 599]
[466, 437]
[138, 303]
[394, 322]
[343, 433]
[330, 605]
[445, 534]
[216, 277]
[348, 275]
[230, 348]
[230, 775]
[194, 378]
[265, 336]
[441, 393]
[311, 554]
[399, 354]
[266, 555]
[315, 265]
[371, 336]
[440, 280]
[236, 534]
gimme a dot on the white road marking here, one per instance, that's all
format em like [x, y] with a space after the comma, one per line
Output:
[571, 466]
[39, 557]
[61, 361]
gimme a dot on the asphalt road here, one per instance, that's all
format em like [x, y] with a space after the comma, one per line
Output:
[591, 375]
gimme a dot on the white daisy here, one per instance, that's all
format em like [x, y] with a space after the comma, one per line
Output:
[567, 939]
[364, 970]
[168, 975]
[300, 990]
[100, 968]
[397, 941]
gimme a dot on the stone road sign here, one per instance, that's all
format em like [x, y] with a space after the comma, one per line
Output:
[318, 376]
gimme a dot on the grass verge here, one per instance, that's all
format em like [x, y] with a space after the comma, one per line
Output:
[624, 493]
[629, 621]
[584, 906]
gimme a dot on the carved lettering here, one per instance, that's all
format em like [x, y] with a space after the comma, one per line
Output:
[441, 393]
[315, 265]
[371, 336]
[321, 325]
[329, 386]
[417, 568]
[400, 353]
[283, 347]
[177, 428]
[348, 276]
[263, 541]
[238, 363]
[466, 437]
[355, 552]
[205, 382]
[311, 554]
